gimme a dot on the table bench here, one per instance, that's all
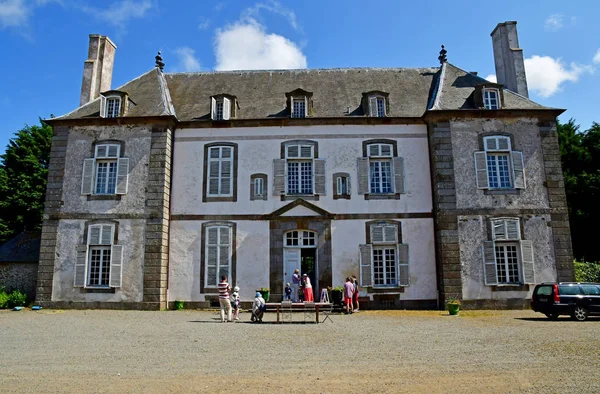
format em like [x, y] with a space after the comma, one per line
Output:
[298, 305]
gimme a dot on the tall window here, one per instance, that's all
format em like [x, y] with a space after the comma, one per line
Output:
[259, 187]
[384, 259]
[113, 107]
[299, 169]
[220, 166]
[106, 173]
[491, 99]
[508, 259]
[218, 252]
[498, 166]
[380, 169]
[99, 261]
[299, 107]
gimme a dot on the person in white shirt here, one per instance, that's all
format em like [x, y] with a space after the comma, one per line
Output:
[258, 308]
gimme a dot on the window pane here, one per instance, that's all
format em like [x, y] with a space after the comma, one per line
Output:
[99, 267]
[390, 266]
[378, 271]
[498, 171]
[507, 264]
[381, 176]
[101, 176]
[293, 181]
[306, 177]
[219, 110]
[112, 107]
[380, 107]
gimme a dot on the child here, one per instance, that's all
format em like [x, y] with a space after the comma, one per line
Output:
[235, 302]
[258, 308]
[288, 292]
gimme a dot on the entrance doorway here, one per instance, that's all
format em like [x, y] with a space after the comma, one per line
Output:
[300, 252]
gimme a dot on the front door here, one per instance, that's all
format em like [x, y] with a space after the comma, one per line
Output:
[291, 262]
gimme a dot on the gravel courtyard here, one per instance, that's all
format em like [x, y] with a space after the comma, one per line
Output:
[372, 351]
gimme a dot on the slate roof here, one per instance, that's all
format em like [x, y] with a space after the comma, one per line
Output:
[262, 94]
[25, 247]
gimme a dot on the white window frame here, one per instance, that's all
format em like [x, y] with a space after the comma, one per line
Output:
[220, 108]
[218, 245]
[299, 153]
[488, 167]
[385, 249]
[110, 106]
[502, 248]
[384, 153]
[220, 160]
[105, 235]
[377, 106]
[487, 99]
[259, 187]
[105, 155]
[300, 236]
[343, 182]
[297, 113]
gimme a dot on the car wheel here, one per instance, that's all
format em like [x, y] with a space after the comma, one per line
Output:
[579, 313]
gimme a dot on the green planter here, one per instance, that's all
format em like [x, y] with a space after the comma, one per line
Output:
[453, 309]
[265, 294]
[178, 305]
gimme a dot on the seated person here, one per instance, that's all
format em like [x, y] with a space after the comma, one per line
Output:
[258, 308]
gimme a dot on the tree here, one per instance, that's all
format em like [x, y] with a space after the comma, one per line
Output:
[23, 173]
[580, 156]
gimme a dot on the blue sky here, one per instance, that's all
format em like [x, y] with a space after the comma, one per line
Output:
[44, 43]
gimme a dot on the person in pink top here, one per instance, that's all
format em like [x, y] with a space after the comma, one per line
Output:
[348, 295]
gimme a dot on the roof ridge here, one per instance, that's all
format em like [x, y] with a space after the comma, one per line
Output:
[338, 69]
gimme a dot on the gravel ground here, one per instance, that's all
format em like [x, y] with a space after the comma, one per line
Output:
[372, 351]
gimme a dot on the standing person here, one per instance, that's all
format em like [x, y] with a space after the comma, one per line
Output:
[296, 282]
[235, 302]
[348, 295]
[224, 301]
[355, 299]
[308, 291]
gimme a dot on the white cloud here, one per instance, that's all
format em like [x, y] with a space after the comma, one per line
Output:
[187, 59]
[121, 11]
[596, 59]
[272, 6]
[246, 45]
[14, 13]
[546, 75]
[492, 78]
[554, 22]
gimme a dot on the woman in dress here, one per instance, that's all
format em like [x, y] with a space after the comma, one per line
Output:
[308, 291]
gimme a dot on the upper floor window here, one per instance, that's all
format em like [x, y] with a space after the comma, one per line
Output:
[220, 166]
[380, 171]
[491, 99]
[377, 106]
[99, 261]
[258, 187]
[299, 103]
[299, 107]
[221, 107]
[498, 166]
[113, 107]
[299, 172]
[112, 104]
[107, 173]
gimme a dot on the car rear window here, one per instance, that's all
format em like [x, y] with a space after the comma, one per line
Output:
[590, 289]
[544, 290]
[568, 289]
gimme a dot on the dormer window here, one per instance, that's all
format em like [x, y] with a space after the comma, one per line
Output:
[491, 99]
[221, 107]
[375, 104]
[299, 107]
[113, 104]
[299, 103]
[113, 107]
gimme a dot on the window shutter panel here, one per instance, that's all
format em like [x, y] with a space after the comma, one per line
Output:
[112, 150]
[363, 175]
[80, 266]
[503, 143]
[374, 150]
[499, 230]
[403, 274]
[389, 233]
[399, 174]
[102, 106]
[306, 112]
[265, 189]
[373, 106]
[279, 177]
[518, 169]
[94, 234]
[293, 151]
[213, 108]
[87, 181]
[386, 150]
[481, 170]
[122, 175]
[366, 266]
[376, 234]
[527, 257]
[252, 189]
[489, 263]
[491, 143]
[512, 230]
[226, 179]
[306, 151]
[116, 265]
[226, 108]
[338, 185]
[291, 105]
[101, 151]
[107, 234]
[319, 176]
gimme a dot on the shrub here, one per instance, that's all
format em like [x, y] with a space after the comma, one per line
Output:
[587, 271]
[3, 299]
[16, 298]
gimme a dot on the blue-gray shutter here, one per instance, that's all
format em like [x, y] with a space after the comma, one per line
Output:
[122, 175]
[403, 274]
[87, 179]
[399, 174]
[319, 176]
[481, 173]
[363, 175]
[366, 265]
[102, 106]
[527, 258]
[518, 169]
[490, 274]
[80, 266]
[116, 265]
[279, 177]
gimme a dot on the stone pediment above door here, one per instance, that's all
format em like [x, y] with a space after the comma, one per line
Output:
[301, 208]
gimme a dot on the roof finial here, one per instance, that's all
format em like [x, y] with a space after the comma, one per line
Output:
[442, 57]
[159, 63]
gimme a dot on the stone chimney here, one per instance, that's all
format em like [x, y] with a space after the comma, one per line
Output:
[97, 69]
[508, 57]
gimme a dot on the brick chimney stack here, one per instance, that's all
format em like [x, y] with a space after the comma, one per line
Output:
[97, 69]
[508, 57]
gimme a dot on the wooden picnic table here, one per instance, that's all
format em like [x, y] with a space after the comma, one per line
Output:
[298, 305]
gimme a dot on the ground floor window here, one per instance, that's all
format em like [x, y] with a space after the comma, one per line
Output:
[384, 267]
[99, 266]
[507, 263]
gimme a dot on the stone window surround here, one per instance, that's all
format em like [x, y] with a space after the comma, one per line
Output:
[375, 93]
[398, 224]
[480, 138]
[297, 94]
[365, 147]
[234, 169]
[106, 197]
[265, 194]
[205, 225]
[337, 196]
[315, 144]
[86, 226]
